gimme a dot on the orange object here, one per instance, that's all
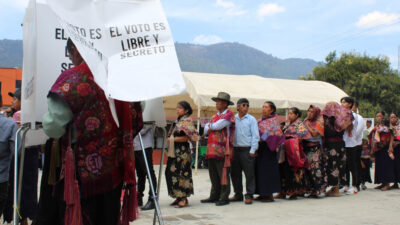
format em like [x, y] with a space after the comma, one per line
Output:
[9, 77]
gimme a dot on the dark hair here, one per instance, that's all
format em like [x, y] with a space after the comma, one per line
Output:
[296, 111]
[348, 100]
[394, 114]
[369, 121]
[385, 121]
[242, 100]
[186, 106]
[383, 113]
[70, 45]
[272, 105]
[356, 103]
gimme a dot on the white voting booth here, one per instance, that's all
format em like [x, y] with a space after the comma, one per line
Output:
[127, 44]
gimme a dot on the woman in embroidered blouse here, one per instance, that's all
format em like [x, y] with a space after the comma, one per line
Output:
[294, 175]
[395, 126]
[179, 172]
[336, 120]
[267, 170]
[313, 149]
[381, 139]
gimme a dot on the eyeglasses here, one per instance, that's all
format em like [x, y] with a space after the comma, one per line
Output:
[245, 105]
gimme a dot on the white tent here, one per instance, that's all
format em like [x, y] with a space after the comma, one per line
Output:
[201, 87]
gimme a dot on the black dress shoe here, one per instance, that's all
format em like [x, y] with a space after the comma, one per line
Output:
[149, 205]
[222, 202]
[208, 200]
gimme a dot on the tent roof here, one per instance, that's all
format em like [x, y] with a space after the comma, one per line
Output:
[201, 87]
[285, 93]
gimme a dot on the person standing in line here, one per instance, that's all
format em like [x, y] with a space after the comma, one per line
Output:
[147, 133]
[8, 129]
[94, 149]
[221, 131]
[267, 170]
[365, 173]
[294, 175]
[353, 141]
[178, 172]
[381, 139]
[395, 126]
[246, 144]
[336, 120]
[314, 151]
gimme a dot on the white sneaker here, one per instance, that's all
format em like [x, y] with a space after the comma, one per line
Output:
[343, 189]
[352, 191]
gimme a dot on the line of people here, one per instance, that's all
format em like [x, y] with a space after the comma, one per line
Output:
[311, 158]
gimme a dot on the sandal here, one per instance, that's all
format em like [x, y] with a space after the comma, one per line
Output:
[175, 202]
[334, 192]
[379, 187]
[293, 197]
[280, 196]
[182, 203]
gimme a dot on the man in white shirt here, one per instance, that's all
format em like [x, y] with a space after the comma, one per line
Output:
[353, 145]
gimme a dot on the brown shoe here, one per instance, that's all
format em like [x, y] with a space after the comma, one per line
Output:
[236, 198]
[268, 198]
[334, 192]
[379, 187]
[386, 187]
[248, 201]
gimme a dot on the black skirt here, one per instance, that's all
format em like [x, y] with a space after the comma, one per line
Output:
[384, 167]
[397, 163]
[267, 171]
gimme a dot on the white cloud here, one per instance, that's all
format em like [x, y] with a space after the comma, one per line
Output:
[269, 10]
[207, 39]
[231, 8]
[377, 18]
[225, 4]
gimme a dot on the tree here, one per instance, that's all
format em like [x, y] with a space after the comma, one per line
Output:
[370, 80]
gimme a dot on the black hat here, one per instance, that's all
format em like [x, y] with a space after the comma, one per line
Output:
[224, 97]
[242, 100]
[16, 94]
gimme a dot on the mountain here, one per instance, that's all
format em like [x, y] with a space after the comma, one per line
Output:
[10, 53]
[228, 58]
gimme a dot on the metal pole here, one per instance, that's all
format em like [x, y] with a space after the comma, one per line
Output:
[160, 171]
[15, 214]
[158, 210]
[197, 142]
[15, 201]
[21, 166]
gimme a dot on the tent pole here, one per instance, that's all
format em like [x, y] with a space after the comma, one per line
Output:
[153, 190]
[286, 114]
[160, 170]
[197, 141]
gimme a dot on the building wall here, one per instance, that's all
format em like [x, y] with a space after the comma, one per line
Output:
[8, 80]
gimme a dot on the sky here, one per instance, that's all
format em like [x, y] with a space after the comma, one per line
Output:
[285, 29]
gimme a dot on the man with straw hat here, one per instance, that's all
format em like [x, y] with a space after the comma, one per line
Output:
[220, 130]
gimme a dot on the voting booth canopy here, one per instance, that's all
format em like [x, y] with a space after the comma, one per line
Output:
[285, 93]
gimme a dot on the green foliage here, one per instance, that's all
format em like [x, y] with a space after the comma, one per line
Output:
[368, 79]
